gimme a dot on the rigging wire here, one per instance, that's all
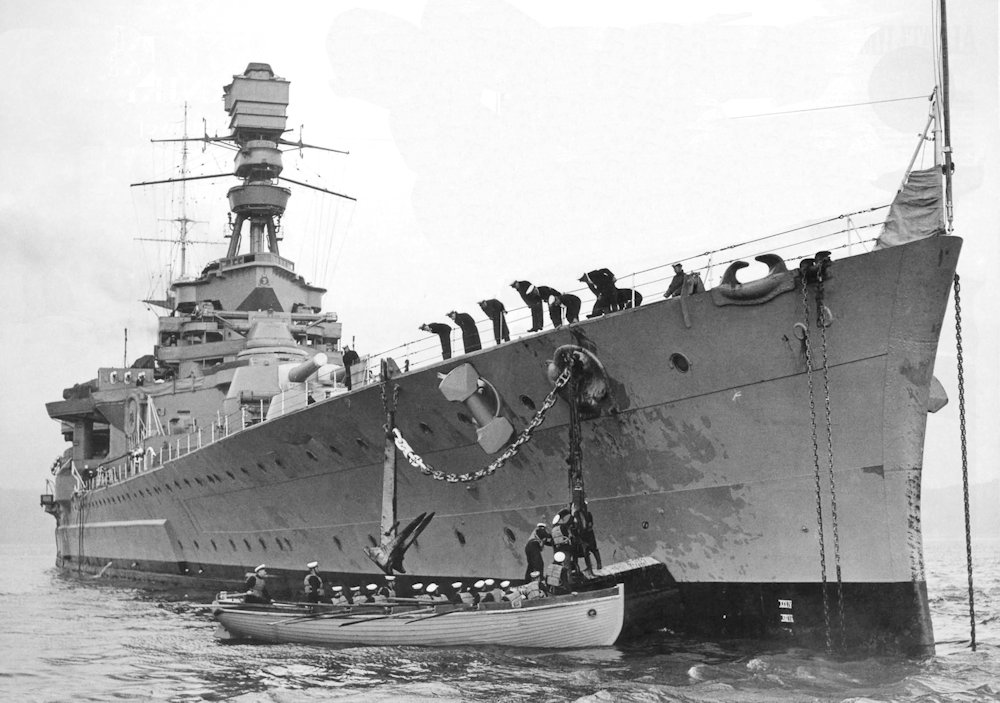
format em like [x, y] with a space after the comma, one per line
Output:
[829, 107]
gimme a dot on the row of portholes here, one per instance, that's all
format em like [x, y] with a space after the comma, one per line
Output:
[284, 544]
[149, 492]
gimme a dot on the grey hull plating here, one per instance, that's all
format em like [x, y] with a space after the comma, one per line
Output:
[709, 470]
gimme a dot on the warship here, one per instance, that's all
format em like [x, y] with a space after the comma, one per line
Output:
[753, 450]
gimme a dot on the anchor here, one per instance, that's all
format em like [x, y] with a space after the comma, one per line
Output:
[777, 281]
[388, 556]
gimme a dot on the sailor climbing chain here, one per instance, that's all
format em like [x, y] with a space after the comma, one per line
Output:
[416, 460]
[965, 456]
[823, 321]
[815, 443]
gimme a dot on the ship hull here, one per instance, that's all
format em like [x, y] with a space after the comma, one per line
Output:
[710, 466]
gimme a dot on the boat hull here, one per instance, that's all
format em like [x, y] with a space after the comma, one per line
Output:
[594, 620]
[710, 470]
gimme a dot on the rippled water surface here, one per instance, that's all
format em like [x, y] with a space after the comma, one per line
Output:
[66, 640]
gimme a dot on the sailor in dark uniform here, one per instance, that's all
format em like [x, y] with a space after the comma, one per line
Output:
[495, 310]
[529, 294]
[349, 357]
[313, 583]
[470, 334]
[564, 302]
[547, 293]
[256, 586]
[602, 284]
[628, 298]
[539, 539]
[583, 523]
[443, 332]
[676, 283]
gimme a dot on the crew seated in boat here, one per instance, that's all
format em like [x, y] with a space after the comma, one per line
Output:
[256, 588]
[433, 594]
[354, 595]
[388, 589]
[460, 594]
[477, 591]
[313, 583]
[530, 590]
[492, 593]
[337, 596]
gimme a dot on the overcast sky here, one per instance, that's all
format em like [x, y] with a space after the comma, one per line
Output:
[489, 141]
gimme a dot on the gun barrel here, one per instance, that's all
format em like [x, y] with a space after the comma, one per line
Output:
[307, 368]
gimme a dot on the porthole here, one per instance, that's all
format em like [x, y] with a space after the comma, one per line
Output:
[187, 483]
[244, 470]
[425, 428]
[460, 537]
[288, 543]
[230, 474]
[334, 450]
[232, 544]
[465, 418]
[278, 542]
[509, 536]
[214, 545]
[261, 467]
[196, 544]
[263, 544]
[361, 443]
[679, 362]
[247, 543]
[277, 462]
[374, 542]
[527, 402]
[311, 455]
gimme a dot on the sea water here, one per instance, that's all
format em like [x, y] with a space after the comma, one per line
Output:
[68, 639]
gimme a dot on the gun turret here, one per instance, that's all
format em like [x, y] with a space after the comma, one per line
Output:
[307, 368]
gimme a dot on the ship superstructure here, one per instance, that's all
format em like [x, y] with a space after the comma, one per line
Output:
[238, 441]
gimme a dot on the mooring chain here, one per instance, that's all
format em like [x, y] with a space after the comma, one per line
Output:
[815, 443]
[417, 461]
[823, 322]
[965, 455]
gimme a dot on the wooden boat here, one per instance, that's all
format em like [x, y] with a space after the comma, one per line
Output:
[589, 619]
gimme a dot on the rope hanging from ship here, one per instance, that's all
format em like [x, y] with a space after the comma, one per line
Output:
[417, 461]
[815, 271]
[965, 457]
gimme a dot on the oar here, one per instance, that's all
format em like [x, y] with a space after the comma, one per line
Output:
[315, 616]
[435, 615]
[385, 617]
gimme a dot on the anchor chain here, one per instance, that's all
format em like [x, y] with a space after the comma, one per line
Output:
[417, 461]
[815, 443]
[822, 322]
[965, 456]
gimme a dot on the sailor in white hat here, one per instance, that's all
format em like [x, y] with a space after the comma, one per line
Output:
[312, 584]
[493, 594]
[431, 593]
[388, 589]
[256, 587]
[337, 597]
[371, 591]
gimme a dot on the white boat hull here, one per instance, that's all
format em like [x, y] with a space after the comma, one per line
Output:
[561, 622]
